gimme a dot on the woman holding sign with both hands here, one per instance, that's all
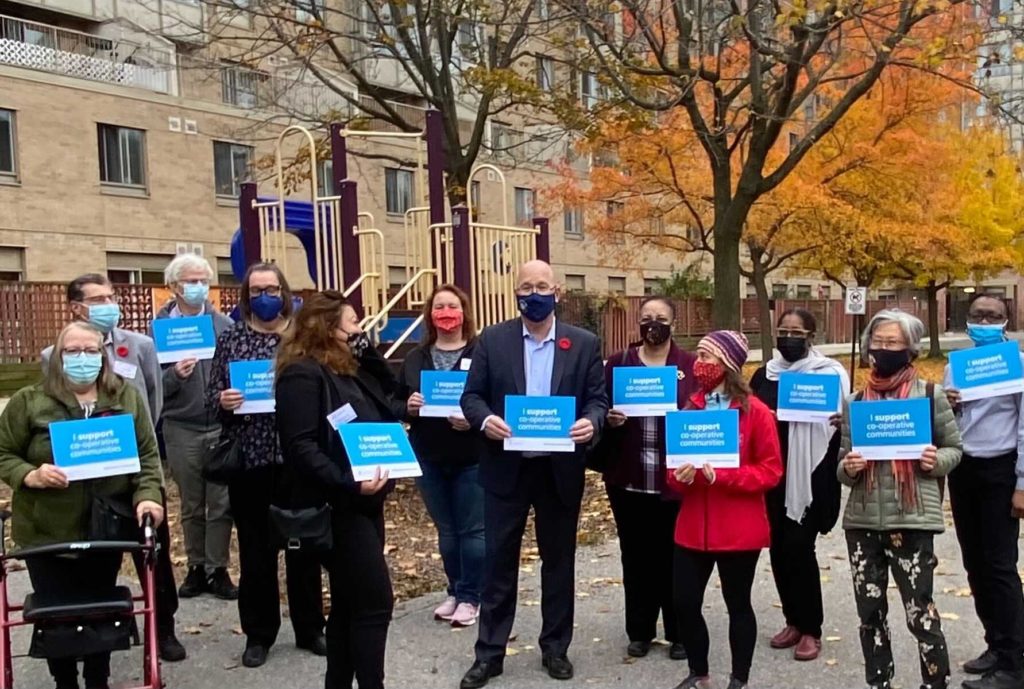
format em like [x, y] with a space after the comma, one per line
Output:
[631, 455]
[266, 310]
[895, 507]
[47, 508]
[806, 503]
[722, 518]
[322, 384]
[449, 453]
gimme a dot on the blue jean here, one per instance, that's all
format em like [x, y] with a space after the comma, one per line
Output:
[455, 502]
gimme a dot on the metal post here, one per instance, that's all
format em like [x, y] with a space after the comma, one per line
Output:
[339, 157]
[853, 352]
[249, 221]
[543, 239]
[351, 269]
[437, 163]
[463, 257]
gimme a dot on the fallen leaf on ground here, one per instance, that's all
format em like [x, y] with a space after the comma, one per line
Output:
[192, 630]
[949, 616]
[831, 662]
[833, 639]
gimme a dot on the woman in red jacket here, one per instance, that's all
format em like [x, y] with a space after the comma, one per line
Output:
[722, 518]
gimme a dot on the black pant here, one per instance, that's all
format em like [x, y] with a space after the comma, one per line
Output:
[259, 605]
[691, 571]
[361, 602]
[795, 566]
[95, 573]
[981, 491]
[504, 523]
[646, 527]
[166, 589]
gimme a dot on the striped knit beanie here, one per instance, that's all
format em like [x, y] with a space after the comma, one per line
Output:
[729, 346]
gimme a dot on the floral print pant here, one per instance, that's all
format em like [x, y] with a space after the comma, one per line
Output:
[911, 557]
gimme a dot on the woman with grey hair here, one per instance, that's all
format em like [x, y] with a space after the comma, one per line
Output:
[188, 427]
[895, 507]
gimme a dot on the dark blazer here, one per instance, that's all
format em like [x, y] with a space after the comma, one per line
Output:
[317, 467]
[498, 371]
[434, 440]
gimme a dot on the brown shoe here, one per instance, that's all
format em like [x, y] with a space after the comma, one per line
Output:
[787, 638]
[808, 648]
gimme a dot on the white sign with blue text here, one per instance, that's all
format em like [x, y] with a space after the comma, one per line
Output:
[441, 392]
[95, 448]
[540, 424]
[703, 437]
[808, 397]
[891, 429]
[644, 390]
[177, 339]
[988, 371]
[255, 380]
[384, 446]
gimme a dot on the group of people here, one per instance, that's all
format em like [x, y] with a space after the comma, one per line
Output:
[675, 526]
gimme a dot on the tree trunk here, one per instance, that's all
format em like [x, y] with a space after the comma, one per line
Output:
[935, 347]
[725, 310]
[764, 309]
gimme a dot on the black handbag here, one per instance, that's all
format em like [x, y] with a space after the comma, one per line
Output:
[222, 460]
[307, 529]
[112, 519]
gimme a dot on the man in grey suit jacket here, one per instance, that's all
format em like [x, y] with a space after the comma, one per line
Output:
[535, 356]
[133, 357]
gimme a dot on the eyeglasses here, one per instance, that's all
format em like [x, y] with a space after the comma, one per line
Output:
[793, 332]
[272, 291]
[79, 351]
[200, 281]
[891, 345]
[542, 288]
[986, 317]
[99, 300]
[658, 319]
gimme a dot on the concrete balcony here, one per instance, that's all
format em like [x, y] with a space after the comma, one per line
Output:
[47, 48]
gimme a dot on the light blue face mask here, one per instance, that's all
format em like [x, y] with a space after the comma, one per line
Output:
[83, 368]
[195, 293]
[982, 334]
[104, 316]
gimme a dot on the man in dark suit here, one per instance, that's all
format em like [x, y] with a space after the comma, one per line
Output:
[535, 356]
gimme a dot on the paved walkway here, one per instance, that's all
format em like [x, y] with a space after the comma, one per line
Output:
[423, 654]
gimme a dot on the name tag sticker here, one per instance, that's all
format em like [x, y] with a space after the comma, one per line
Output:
[126, 370]
[465, 364]
[341, 416]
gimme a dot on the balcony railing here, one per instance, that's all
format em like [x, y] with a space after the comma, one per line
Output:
[51, 49]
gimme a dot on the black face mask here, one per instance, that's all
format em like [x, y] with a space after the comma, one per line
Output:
[655, 333]
[889, 363]
[792, 348]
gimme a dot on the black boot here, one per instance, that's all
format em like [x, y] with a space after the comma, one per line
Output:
[171, 649]
[220, 585]
[194, 584]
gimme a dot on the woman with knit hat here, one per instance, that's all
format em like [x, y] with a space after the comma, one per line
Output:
[895, 508]
[722, 517]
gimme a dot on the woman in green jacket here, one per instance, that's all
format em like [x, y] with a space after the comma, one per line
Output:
[895, 508]
[47, 507]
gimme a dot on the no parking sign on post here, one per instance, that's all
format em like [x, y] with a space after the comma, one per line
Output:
[856, 305]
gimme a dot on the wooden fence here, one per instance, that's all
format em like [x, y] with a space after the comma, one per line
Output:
[33, 313]
[616, 319]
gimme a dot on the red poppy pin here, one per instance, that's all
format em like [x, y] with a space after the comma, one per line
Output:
[122, 351]
[565, 344]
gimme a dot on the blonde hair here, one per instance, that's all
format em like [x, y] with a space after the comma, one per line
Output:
[55, 383]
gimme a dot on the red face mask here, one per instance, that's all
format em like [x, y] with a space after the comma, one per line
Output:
[709, 375]
[447, 319]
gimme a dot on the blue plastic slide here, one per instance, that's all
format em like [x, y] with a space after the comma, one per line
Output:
[298, 220]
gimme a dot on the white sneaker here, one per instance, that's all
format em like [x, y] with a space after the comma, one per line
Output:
[446, 609]
[465, 615]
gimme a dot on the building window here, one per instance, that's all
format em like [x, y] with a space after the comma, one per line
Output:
[590, 90]
[803, 291]
[617, 285]
[545, 74]
[573, 219]
[474, 200]
[524, 199]
[8, 162]
[324, 173]
[543, 9]
[122, 156]
[651, 286]
[397, 277]
[751, 291]
[240, 86]
[225, 274]
[137, 269]
[793, 140]
[575, 283]
[824, 291]
[614, 208]
[231, 163]
[398, 190]
[12, 263]
[780, 290]
[307, 11]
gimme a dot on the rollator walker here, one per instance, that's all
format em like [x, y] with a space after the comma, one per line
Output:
[73, 626]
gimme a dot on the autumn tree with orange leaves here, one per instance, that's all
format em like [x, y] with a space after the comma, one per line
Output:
[735, 76]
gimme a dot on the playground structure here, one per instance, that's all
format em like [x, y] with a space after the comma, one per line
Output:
[345, 250]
